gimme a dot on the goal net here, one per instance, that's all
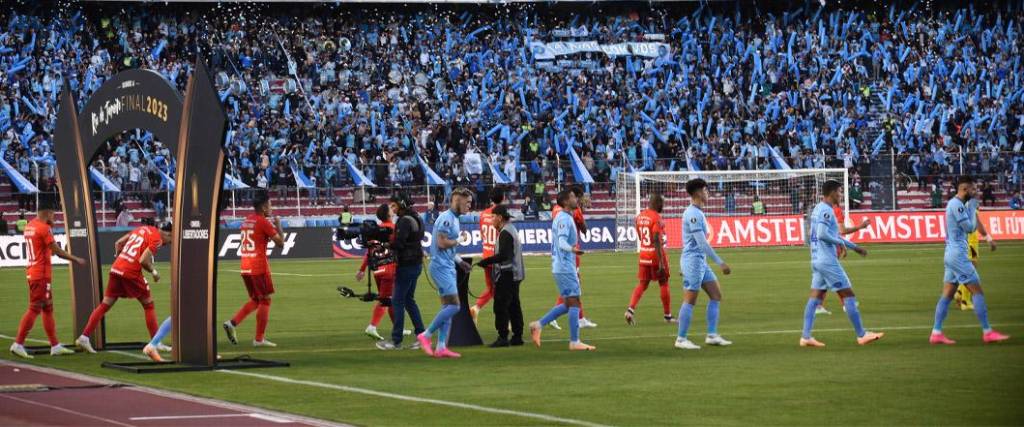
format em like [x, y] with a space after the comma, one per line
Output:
[746, 208]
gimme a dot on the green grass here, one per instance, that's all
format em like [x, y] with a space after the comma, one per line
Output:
[636, 377]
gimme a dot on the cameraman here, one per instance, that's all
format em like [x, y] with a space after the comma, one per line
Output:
[506, 266]
[408, 247]
[382, 259]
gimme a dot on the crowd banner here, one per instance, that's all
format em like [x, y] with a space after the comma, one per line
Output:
[551, 50]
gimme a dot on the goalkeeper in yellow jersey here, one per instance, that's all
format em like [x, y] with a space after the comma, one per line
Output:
[963, 295]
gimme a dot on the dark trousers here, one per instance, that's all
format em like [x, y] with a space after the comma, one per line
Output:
[404, 300]
[506, 306]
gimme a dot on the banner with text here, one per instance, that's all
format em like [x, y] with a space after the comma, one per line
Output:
[547, 51]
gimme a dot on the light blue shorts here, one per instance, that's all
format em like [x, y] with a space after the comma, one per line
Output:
[444, 279]
[829, 277]
[960, 271]
[568, 284]
[696, 273]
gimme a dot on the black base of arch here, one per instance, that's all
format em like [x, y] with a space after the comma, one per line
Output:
[169, 367]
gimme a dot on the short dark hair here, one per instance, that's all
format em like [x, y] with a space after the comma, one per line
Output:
[577, 190]
[830, 186]
[401, 199]
[656, 198]
[563, 196]
[497, 195]
[695, 185]
[964, 179]
[167, 226]
[259, 199]
[384, 212]
[501, 211]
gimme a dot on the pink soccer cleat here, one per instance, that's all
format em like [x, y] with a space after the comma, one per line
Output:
[424, 341]
[811, 342]
[870, 337]
[445, 353]
[994, 336]
[940, 338]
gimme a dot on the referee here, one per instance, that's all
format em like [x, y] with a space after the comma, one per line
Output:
[508, 273]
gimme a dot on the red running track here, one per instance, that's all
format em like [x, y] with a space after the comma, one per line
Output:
[78, 400]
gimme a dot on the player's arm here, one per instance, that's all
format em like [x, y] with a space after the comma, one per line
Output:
[658, 251]
[983, 232]
[119, 244]
[277, 233]
[822, 231]
[57, 250]
[563, 242]
[702, 240]
[446, 242]
[147, 264]
[843, 230]
[968, 222]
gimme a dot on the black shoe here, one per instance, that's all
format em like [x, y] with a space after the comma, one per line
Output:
[500, 342]
[516, 341]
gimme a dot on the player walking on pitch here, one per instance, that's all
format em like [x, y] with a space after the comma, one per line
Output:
[826, 272]
[563, 266]
[582, 202]
[39, 273]
[256, 232]
[653, 259]
[963, 295]
[443, 261]
[135, 252]
[841, 250]
[961, 219]
[697, 273]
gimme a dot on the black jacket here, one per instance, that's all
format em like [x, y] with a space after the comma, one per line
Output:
[408, 238]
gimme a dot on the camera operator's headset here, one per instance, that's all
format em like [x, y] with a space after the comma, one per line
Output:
[404, 202]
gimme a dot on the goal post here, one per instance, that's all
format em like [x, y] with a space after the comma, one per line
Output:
[787, 193]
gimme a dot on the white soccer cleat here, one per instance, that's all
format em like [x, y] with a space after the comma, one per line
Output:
[83, 343]
[60, 350]
[717, 340]
[586, 323]
[822, 310]
[685, 344]
[229, 329]
[152, 352]
[386, 345]
[19, 350]
[264, 343]
[406, 332]
[554, 324]
[163, 348]
[371, 331]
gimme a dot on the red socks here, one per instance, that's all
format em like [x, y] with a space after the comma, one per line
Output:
[27, 321]
[247, 309]
[50, 326]
[666, 299]
[151, 322]
[638, 292]
[378, 313]
[262, 317]
[94, 318]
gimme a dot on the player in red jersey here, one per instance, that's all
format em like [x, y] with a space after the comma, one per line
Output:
[581, 226]
[383, 274]
[489, 235]
[256, 232]
[837, 210]
[40, 247]
[135, 252]
[653, 258]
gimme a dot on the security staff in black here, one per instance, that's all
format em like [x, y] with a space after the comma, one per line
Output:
[508, 273]
[408, 248]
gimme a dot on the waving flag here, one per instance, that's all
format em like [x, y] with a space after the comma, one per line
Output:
[301, 180]
[499, 176]
[432, 177]
[19, 180]
[357, 176]
[106, 185]
[579, 171]
[777, 160]
[233, 183]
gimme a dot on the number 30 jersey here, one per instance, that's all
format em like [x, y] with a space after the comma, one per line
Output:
[256, 232]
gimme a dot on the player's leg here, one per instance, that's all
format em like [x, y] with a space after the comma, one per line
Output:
[113, 289]
[152, 349]
[949, 288]
[989, 335]
[853, 313]
[28, 320]
[664, 286]
[446, 287]
[714, 291]
[563, 282]
[820, 309]
[693, 276]
[264, 290]
[149, 312]
[378, 311]
[818, 292]
[643, 275]
[485, 297]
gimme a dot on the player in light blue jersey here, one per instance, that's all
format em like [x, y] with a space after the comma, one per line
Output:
[697, 273]
[563, 266]
[443, 261]
[961, 220]
[826, 272]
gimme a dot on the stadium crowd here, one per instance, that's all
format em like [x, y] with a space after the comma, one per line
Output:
[311, 90]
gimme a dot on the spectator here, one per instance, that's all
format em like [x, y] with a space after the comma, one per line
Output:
[22, 223]
[936, 196]
[758, 207]
[529, 208]
[124, 218]
[856, 196]
[988, 197]
[345, 217]
[1017, 202]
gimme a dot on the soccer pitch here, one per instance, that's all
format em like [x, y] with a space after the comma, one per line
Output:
[635, 377]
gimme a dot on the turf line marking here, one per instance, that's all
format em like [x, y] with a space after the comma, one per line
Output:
[187, 417]
[291, 274]
[69, 411]
[439, 402]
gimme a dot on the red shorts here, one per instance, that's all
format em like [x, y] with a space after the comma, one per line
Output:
[39, 292]
[260, 286]
[385, 285]
[648, 273]
[122, 287]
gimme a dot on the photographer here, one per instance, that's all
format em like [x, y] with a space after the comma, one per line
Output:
[508, 272]
[408, 248]
[382, 260]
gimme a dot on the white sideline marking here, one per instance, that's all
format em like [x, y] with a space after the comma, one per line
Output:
[291, 274]
[69, 411]
[198, 417]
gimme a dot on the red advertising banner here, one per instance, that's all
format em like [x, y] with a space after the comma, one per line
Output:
[886, 227]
